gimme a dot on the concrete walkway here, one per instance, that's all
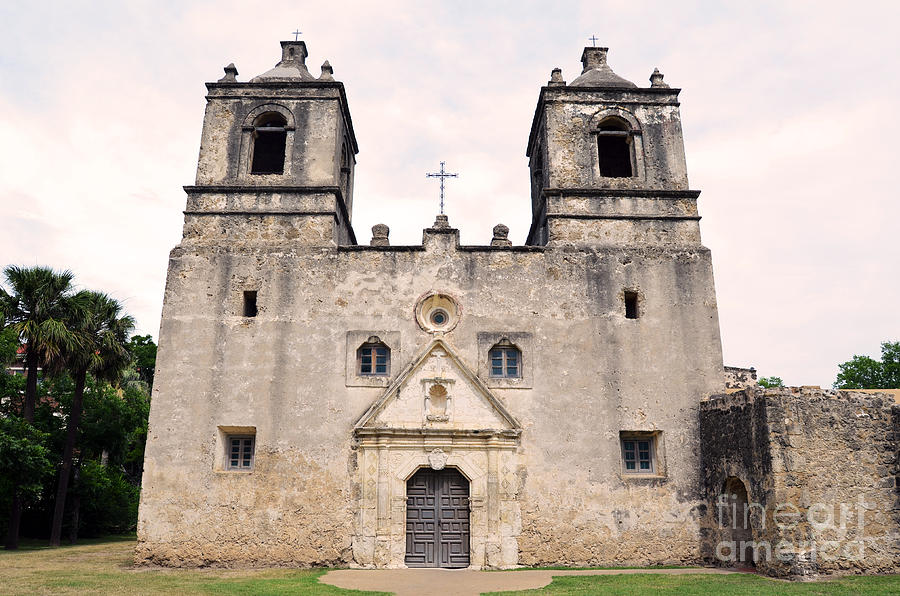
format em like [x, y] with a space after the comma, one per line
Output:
[462, 582]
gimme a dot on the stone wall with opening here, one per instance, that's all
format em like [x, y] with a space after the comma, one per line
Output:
[801, 482]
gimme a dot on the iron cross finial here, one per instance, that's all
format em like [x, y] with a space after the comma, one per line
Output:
[297, 34]
[442, 175]
[593, 39]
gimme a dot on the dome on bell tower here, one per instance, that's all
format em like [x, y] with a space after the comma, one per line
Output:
[291, 68]
[597, 72]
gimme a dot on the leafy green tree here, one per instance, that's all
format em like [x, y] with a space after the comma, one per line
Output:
[11, 386]
[771, 382]
[24, 459]
[864, 372]
[144, 351]
[102, 350]
[9, 345]
[37, 306]
[110, 500]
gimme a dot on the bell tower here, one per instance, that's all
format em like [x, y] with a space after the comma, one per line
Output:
[277, 157]
[607, 162]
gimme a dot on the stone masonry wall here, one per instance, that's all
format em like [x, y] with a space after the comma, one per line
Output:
[820, 470]
[737, 378]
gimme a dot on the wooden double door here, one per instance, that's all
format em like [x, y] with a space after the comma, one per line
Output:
[437, 519]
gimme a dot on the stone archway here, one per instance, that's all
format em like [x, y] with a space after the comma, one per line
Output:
[736, 522]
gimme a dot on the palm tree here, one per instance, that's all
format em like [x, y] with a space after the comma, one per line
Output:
[102, 350]
[38, 309]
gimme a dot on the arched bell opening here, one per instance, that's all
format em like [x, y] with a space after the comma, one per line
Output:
[269, 142]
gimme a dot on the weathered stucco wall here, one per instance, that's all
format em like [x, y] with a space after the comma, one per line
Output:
[820, 469]
[595, 373]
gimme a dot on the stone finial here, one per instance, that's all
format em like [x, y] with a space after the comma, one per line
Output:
[380, 235]
[556, 79]
[656, 79]
[593, 58]
[501, 236]
[441, 222]
[327, 72]
[230, 74]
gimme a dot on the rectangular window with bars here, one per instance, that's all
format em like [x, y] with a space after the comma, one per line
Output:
[638, 454]
[240, 452]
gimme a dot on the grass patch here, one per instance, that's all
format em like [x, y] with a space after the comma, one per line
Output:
[704, 584]
[104, 566]
[565, 568]
[28, 544]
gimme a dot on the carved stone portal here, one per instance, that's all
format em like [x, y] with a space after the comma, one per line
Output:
[437, 415]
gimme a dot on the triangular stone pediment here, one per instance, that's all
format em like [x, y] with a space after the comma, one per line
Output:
[438, 391]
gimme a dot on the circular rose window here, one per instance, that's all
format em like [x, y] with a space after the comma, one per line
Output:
[437, 312]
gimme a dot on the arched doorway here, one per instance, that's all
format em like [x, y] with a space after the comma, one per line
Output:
[737, 522]
[437, 519]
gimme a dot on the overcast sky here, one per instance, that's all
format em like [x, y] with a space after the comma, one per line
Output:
[790, 115]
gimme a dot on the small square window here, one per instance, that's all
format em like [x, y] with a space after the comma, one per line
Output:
[239, 452]
[639, 453]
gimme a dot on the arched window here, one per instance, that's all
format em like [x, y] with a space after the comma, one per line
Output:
[614, 142]
[505, 360]
[373, 359]
[269, 139]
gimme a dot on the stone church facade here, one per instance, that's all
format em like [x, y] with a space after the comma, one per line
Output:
[319, 401]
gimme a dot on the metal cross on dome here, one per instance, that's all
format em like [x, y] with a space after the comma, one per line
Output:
[442, 174]
[593, 40]
[297, 34]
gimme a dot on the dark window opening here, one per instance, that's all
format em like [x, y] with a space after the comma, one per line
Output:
[631, 305]
[537, 169]
[614, 149]
[505, 362]
[373, 359]
[250, 303]
[345, 170]
[269, 140]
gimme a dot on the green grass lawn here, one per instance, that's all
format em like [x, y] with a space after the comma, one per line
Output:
[704, 585]
[105, 567]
